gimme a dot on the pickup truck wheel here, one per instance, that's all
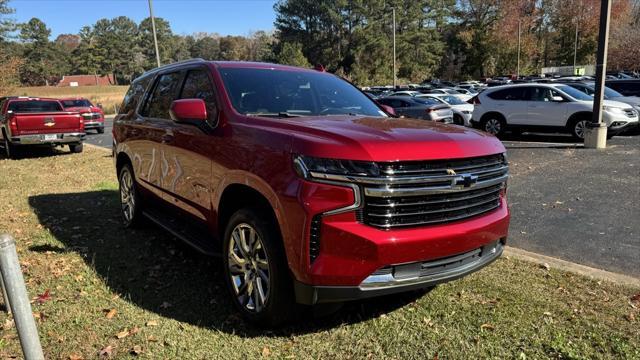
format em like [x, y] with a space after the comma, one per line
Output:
[256, 270]
[129, 198]
[76, 148]
[494, 125]
[100, 130]
[9, 150]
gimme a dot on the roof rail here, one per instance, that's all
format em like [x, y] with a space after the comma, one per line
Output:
[182, 62]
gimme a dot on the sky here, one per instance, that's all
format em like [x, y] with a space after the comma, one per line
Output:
[226, 17]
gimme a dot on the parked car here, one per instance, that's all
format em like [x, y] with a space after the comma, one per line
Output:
[625, 87]
[405, 93]
[461, 110]
[545, 108]
[28, 122]
[93, 116]
[306, 188]
[448, 91]
[589, 88]
[419, 108]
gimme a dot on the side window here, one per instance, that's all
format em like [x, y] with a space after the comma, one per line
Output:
[164, 92]
[516, 93]
[198, 86]
[543, 94]
[133, 96]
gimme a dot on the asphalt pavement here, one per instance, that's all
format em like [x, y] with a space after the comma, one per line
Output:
[102, 140]
[576, 204]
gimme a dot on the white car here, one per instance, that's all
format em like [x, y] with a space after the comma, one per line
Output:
[462, 111]
[453, 92]
[405, 93]
[545, 108]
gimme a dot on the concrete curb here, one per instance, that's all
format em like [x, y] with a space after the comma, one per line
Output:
[572, 267]
[97, 147]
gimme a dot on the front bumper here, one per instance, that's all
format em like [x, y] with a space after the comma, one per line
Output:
[48, 139]
[614, 130]
[94, 125]
[404, 277]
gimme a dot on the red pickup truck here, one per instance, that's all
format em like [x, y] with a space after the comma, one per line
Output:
[93, 116]
[28, 121]
[309, 190]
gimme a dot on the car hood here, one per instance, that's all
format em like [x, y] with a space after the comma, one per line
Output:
[631, 100]
[385, 139]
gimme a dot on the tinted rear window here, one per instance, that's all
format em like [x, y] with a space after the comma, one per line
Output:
[516, 93]
[34, 106]
[131, 99]
[75, 103]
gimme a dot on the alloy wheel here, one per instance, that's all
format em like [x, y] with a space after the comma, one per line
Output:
[127, 195]
[493, 126]
[249, 268]
[579, 127]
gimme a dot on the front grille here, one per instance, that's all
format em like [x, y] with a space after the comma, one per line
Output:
[433, 192]
[89, 116]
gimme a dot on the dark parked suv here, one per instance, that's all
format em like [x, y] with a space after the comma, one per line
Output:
[307, 188]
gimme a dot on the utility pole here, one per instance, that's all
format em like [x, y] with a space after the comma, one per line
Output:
[394, 47]
[575, 50]
[153, 28]
[596, 131]
[518, 70]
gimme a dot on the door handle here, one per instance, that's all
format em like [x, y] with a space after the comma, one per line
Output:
[167, 138]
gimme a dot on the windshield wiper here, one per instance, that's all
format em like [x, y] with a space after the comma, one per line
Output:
[282, 114]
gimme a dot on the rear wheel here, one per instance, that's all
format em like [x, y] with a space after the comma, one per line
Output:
[493, 124]
[76, 148]
[458, 120]
[130, 202]
[256, 270]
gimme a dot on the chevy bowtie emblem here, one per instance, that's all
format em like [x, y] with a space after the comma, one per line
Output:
[49, 122]
[465, 181]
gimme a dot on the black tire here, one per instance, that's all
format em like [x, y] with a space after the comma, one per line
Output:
[276, 305]
[493, 124]
[76, 148]
[577, 126]
[130, 199]
[100, 130]
[9, 149]
[458, 120]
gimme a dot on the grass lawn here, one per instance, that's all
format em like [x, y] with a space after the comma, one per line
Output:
[108, 96]
[101, 289]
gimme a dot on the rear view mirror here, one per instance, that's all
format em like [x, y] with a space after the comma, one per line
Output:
[388, 109]
[557, 99]
[191, 111]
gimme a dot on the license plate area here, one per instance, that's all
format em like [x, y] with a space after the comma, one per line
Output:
[49, 137]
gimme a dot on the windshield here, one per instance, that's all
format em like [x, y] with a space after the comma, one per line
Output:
[574, 93]
[286, 93]
[34, 106]
[452, 100]
[610, 93]
[76, 103]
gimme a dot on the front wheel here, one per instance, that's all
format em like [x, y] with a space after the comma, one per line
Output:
[100, 130]
[578, 128]
[256, 269]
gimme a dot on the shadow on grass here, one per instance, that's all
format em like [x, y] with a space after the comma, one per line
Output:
[35, 152]
[156, 272]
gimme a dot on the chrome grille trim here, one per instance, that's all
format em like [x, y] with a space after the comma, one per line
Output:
[418, 191]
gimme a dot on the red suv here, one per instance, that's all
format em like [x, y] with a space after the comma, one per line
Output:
[308, 189]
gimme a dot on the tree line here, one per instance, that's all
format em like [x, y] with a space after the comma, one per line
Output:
[451, 39]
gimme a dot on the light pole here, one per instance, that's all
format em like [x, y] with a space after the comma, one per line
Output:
[153, 28]
[575, 50]
[596, 131]
[518, 70]
[393, 10]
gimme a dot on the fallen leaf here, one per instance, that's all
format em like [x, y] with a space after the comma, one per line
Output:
[636, 297]
[75, 357]
[152, 323]
[546, 313]
[106, 351]
[152, 338]
[487, 326]
[135, 330]
[42, 298]
[545, 266]
[136, 350]
[428, 321]
[122, 334]
[630, 317]
[110, 313]
[266, 351]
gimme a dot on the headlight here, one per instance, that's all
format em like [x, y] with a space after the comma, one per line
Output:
[613, 109]
[320, 168]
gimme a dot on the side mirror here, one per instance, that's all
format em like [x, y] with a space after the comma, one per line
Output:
[557, 99]
[388, 109]
[190, 111]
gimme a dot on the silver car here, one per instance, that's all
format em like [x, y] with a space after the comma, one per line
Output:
[419, 108]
